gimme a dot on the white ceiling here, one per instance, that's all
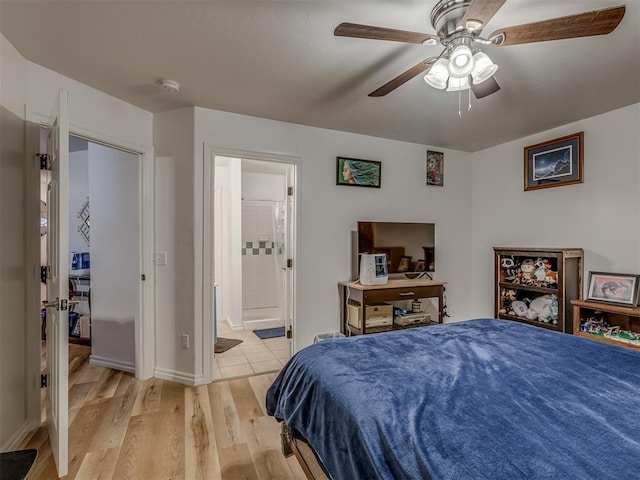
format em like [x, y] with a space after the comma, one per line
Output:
[280, 60]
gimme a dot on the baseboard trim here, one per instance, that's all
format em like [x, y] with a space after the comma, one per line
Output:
[111, 363]
[179, 377]
[260, 324]
[18, 437]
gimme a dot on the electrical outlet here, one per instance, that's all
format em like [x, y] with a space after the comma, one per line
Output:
[161, 258]
[185, 340]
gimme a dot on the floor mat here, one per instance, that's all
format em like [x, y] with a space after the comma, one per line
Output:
[270, 332]
[224, 344]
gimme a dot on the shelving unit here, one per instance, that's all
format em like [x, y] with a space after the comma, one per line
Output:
[80, 291]
[536, 285]
[627, 318]
[355, 295]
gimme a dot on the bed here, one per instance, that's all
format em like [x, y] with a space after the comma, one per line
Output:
[480, 399]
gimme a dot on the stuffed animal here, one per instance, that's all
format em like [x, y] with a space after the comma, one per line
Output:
[541, 309]
[510, 268]
[527, 268]
[550, 278]
[541, 270]
[508, 295]
[519, 308]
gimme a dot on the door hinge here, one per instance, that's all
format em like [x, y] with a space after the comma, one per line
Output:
[289, 262]
[43, 380]
[290, 191]
[143, 277]
[290, 333]
[44, 161]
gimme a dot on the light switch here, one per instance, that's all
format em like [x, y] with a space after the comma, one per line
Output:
[161, 258]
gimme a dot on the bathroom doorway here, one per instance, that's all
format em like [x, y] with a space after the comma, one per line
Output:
[253, 228]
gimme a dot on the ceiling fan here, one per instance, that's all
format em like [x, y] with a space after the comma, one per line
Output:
[458, 25]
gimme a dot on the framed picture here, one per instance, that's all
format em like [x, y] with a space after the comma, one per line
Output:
[358, 173]
[554, 163]
[616, 288]
[435, 168]
[404, 264]
[420, 266]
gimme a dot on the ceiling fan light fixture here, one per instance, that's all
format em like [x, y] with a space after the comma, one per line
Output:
[461, 61]
[484, 68]
[438, 74]
[457, 84]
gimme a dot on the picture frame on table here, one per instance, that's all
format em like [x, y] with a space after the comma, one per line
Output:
[614, 288]
[554, 163]
[355, 172]
[420, 266]
[404, 264]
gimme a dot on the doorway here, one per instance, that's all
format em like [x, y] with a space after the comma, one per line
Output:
[104, 250]
[253, 232]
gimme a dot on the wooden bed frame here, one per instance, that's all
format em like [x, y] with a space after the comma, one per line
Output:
[303, 453]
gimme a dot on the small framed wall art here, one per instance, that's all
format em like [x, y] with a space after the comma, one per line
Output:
[435, 168]
[358, 173]
[554, 163]
[615, 288]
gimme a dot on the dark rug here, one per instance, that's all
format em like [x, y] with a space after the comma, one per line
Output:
[16, 465]
[224, 344]
[270, 332]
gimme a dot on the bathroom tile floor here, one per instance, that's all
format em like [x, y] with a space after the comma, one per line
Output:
[252, 356]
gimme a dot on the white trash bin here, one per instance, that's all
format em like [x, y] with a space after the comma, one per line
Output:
[326, 336]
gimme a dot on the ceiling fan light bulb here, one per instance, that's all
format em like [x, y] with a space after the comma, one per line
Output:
[461, 62]
[484, 68]
[438, 74]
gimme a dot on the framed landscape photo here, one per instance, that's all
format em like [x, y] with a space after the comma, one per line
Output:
[554, 163]
[358, 173]
[435, 168]
[615, 288]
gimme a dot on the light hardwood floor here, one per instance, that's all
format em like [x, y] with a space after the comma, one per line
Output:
[122, 428]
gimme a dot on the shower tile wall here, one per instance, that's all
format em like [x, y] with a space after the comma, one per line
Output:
[258, 257]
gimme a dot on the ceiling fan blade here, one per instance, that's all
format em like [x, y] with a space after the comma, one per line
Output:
[597, 22]
[381, 33]
[480, 12]
[486, 88]
[403, 77]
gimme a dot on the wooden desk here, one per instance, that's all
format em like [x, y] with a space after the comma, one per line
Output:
[395, 290]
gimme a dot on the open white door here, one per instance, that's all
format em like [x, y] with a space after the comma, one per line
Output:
[289, 283]
[58, 285]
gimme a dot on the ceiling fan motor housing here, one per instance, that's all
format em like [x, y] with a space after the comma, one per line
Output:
[447, 15]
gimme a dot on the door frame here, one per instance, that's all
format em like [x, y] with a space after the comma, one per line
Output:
[145, 314]
[209, 155]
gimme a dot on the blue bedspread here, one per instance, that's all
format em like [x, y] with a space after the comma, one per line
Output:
[481, 399]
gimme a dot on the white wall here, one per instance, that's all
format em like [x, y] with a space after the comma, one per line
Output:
[602, 215]
[174, 222]
[115, 261]
[78, 193]
[13, 362]
[328, 213]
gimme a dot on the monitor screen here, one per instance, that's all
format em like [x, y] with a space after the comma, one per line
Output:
[410, 247]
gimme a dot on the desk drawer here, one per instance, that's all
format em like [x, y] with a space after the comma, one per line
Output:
[405, 293]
